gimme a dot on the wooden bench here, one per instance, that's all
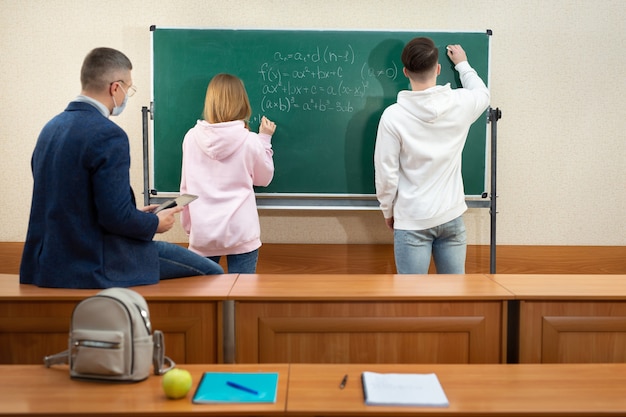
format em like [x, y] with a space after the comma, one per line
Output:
[568, 318]
[285, 318]
[34, 322]
[349, 318]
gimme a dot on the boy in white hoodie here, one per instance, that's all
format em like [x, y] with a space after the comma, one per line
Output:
[417, 160]
[222, 162]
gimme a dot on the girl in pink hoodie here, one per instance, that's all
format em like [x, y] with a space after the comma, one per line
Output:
[222, 162]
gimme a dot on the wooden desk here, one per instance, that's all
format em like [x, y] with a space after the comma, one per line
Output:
[569, 318]
[36, 390]
[369, 319]
[472, 390]
[35, 322]
[349, 318]
[313, 390]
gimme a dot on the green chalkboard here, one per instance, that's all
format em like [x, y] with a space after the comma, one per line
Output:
[324, 89]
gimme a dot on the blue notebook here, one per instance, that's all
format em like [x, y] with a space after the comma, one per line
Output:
[236, 387]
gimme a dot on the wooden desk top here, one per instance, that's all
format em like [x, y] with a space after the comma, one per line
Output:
[564, 287]
[313, 389]
[208, 287]
[472, 390]
[357, 287]
[351, 287]
[34, 389]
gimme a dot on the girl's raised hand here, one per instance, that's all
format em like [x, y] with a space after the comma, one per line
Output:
[267, 126]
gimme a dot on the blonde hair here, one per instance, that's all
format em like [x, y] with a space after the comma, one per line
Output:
[226, 100]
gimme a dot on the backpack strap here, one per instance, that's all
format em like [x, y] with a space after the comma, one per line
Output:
[158, 356]
[57, 358]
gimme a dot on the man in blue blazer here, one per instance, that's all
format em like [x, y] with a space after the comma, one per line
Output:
[85, 230]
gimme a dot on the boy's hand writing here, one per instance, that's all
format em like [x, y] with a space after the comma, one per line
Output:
[456, 54]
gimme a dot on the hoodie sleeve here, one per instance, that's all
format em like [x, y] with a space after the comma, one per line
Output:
[263, 170]
[386, 166]
[185, 217]
[472, 82]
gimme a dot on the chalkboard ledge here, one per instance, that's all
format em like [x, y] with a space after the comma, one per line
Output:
[337, 203]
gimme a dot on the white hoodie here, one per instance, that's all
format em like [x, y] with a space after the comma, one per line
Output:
[221, 164]
[418, 151]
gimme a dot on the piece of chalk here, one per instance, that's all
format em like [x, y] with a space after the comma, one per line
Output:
[448, 48]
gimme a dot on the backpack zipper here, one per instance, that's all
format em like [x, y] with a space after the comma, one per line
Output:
[97, 344]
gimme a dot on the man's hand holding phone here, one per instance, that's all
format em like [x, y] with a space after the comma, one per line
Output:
[167, 218]
[166, 211]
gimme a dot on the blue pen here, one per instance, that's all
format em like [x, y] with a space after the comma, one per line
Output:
[241, 387]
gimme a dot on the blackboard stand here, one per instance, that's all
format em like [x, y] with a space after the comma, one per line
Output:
[147, 192]
[341, 203]
[494, 116]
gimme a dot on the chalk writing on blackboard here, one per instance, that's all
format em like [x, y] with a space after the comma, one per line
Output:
[325, 55]
[324, 82]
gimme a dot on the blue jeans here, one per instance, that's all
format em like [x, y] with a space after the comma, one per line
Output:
[447, 243]
[176, 261]
[241, 263]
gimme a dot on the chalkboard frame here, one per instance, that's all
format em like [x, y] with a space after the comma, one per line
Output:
[317, 200]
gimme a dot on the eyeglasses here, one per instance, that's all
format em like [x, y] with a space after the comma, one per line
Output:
[131, 89]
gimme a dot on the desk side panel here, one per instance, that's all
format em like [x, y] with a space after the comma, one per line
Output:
[572, 331]
[369, 332]
[30, 330]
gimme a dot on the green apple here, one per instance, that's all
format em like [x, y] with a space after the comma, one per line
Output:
[176, 383]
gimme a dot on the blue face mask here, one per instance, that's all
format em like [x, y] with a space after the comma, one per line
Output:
[117, 110]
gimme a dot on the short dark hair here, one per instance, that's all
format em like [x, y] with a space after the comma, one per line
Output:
[420, 56]
[99, 67]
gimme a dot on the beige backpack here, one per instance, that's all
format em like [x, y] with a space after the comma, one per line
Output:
[111, 339]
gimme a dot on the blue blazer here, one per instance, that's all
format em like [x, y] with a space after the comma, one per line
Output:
[85, 230]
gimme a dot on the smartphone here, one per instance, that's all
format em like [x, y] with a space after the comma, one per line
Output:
[181, 200]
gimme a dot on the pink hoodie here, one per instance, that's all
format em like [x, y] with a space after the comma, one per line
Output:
[221, 164]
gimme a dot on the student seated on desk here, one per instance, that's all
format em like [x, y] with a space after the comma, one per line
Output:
[85, 230]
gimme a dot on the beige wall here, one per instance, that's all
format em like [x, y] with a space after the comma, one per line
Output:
[556, 73]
